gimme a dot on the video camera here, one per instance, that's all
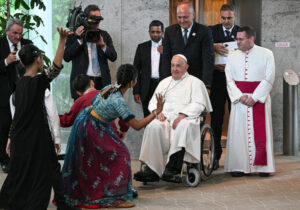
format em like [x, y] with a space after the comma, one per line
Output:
[78, 18]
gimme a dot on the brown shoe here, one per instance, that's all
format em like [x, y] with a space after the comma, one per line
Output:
[126, 204]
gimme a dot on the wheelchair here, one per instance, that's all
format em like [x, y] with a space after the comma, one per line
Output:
[193, 173]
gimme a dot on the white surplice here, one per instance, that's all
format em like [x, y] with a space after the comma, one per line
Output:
[257, 64]
[187, 96]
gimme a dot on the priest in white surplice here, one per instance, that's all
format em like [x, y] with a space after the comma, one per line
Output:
[175, 135]
[250, 73]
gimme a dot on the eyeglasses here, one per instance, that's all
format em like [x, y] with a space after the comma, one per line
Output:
[228, 18]
[240, 39]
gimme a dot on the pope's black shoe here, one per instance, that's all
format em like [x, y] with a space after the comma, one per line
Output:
[146, 175]
[171, 176]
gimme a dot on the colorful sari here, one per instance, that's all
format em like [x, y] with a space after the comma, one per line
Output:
[97, 171]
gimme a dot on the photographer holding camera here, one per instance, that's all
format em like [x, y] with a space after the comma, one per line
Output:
[89, 48]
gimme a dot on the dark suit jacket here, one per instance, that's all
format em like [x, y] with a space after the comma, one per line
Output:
[8, 74]
[218, 33]
[78, 54]
[199, 50]
[142, 61]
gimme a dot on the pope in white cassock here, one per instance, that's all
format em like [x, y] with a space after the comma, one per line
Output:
[174, 136]
[250, 73]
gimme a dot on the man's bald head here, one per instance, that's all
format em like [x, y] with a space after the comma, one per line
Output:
[179, 66]
[185, 14]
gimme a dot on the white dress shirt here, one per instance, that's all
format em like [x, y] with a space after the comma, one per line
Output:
[189, 31]
[12, 48]
[155, 58]
[227, 30]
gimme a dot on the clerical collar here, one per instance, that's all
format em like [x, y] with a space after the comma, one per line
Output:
[182, 78]
[156, 44]
[250, 50]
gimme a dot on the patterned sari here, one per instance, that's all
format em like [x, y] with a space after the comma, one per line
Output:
[97, 171]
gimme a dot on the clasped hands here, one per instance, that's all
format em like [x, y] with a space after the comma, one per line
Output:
[247, 100]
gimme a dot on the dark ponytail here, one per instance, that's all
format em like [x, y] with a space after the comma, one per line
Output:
[28, 54]
[125, 74]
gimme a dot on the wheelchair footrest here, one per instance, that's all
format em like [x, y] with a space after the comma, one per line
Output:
[174, 179]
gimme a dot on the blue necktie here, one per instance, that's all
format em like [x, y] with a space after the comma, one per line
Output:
[227, 38]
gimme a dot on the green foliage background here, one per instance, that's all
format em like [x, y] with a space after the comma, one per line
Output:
[61, 85]
[20, 9]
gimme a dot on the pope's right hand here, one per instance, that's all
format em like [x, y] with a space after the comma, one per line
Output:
[161, 117]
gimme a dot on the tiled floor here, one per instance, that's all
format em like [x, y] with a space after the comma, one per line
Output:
[221, 191]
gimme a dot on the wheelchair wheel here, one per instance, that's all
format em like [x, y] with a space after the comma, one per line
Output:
[207, 150]
[192, 177]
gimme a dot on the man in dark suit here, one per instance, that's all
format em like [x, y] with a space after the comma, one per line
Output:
[191, 39]
[224, 32]
[148, 63]
[9, 45]
[90, 58]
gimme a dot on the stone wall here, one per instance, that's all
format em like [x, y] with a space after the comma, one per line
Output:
[127, 22]
[280, 23]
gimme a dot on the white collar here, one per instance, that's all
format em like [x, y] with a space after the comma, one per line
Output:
[189, 29]
[182, 78]
[10, 44]
[156, 44]
[250, 50]
[224, 29]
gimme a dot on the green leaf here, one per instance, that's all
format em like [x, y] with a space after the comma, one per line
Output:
[17, 4]
[25, 5]
[37, 19]
[32, 4]
[47, 61]
[44, 40]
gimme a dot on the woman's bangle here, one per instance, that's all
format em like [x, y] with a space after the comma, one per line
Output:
[155, 113]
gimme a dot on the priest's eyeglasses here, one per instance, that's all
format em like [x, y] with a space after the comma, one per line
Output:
[240, 39]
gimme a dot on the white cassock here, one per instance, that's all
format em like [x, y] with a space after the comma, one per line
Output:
[187, 96]
[243, 150]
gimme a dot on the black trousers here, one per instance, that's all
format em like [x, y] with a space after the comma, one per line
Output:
[218, 97]
[145, 103]
[57, 180]
[176, 161]
[5, 122]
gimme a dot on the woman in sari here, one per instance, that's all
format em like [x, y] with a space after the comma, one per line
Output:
[97, 171]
